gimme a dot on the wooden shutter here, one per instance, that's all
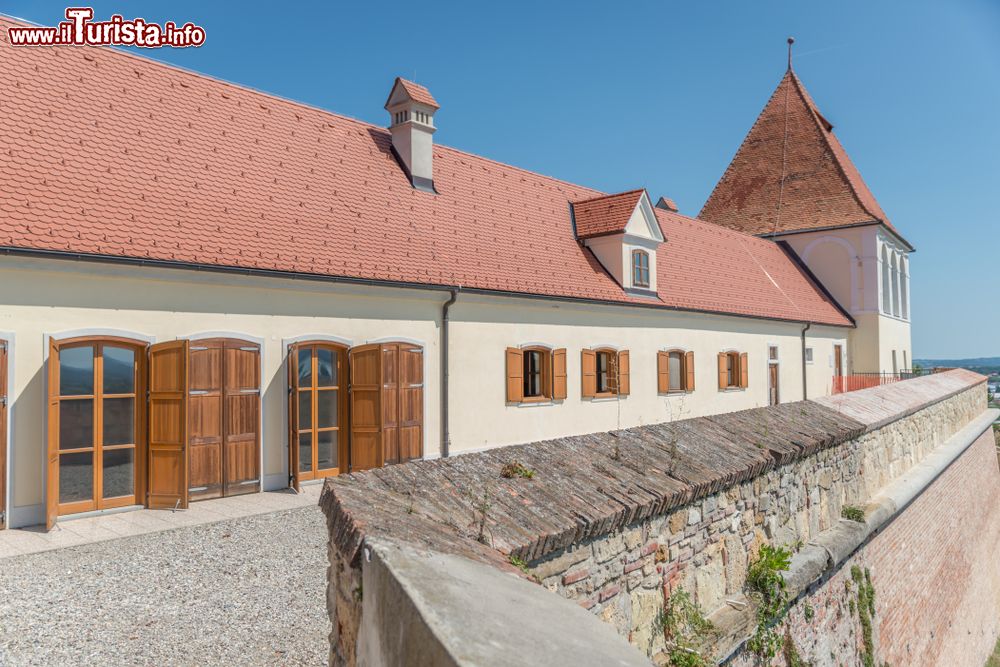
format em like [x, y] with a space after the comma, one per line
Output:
[689, 371]
[515, 375]
[559, 374]
[662, 372]
[52, 458]
[411, 402]
[241, 417]
[3, 433]
[588, 373]
[390, 404]
[204, 409]
[168, 429]
[366, 407]
[624, 383]
[723, 374]
[743, 370]
[292, 362]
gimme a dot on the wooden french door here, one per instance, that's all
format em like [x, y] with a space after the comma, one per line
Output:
[838, 361]
[96, 425]
[317, 381]
[387, 404]
[223, 418]
[3, 434]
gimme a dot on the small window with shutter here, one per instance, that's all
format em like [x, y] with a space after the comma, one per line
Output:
[733, 370]
[535, 374]
[675, 371]
[604, 373]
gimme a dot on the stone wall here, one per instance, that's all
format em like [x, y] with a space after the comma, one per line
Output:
[705, 547]
[616, 521]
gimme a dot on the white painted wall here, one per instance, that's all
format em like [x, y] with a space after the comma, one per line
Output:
[39, 298]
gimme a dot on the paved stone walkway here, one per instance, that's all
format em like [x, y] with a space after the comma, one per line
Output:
[79, 531]
[242, 591]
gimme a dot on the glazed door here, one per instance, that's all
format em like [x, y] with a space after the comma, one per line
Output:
[96, 427]
[317, 411]
[3, 434]
[168, 425]
[223, 418]
[838, 361]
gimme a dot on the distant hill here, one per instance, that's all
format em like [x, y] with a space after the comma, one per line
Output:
[978, 362]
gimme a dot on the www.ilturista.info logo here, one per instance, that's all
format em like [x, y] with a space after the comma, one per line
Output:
[79, 30]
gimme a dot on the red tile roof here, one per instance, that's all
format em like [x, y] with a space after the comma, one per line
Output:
[417, 93]
[111, 154]
[821, 187]
[607, 214]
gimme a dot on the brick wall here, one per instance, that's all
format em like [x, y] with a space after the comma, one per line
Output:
[705, 547]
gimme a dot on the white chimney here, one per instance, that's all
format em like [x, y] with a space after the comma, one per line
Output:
[411, 110]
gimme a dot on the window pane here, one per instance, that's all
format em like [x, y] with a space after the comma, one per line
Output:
[119, 421]
[532, 374]
[76, 371]
[119, 370]
[730, 368]
[305, 367]
[326, 368]
[305, 452]
[326, 450]
[772, 353]
[675, 370]
[326, 408]
[76, 477]
[119, 472]
[76, 423]
[305, 409]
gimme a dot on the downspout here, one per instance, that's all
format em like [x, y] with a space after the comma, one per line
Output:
[805, 390]
[445, 434]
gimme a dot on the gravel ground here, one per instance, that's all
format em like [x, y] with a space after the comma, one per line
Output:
[247, 591]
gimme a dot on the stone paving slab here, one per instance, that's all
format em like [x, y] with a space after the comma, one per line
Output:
[77, 532]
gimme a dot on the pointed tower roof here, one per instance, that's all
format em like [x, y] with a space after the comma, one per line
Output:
[792, 174]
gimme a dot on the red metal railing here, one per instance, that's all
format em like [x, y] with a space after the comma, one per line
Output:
[856, 381]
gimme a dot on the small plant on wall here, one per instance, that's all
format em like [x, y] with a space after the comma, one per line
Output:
[686, 630]
[766, 587]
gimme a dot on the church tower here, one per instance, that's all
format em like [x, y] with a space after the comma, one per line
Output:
[792, 181]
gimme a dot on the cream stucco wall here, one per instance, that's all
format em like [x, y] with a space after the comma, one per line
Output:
[41, 298]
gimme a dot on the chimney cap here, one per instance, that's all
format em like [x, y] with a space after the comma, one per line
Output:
[414, 91]
[667, 204]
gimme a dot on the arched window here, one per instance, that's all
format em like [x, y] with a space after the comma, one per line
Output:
[886, 287]
[640, 268]
[895, 285]
[904, 285]
[733, 370]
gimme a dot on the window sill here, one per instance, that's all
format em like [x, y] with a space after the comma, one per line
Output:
[676, 392]
[731, 390]
[533, 403]
[605, 398]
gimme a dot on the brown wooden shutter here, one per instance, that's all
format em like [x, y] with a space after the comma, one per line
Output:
[559, 374]
[411, 402]
[743, 371]
[292, 362]
[3, 433]
[205, 437]
[241, 417]
[588, 373]
[515, 375]
[52, 459]
[662, 372]
[689, 371]
[624, 383]
[366, 407]
[168, 428]
[723, 374]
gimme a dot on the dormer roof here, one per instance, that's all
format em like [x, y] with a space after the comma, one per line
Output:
[611, 214]
[414, 91]
[792, 174]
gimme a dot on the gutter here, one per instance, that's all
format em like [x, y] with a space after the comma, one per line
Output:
[445, 433]
[805, 385]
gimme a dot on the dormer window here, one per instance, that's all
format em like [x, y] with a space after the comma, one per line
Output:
[640, 268]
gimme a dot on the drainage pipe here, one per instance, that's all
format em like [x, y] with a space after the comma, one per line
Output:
[805, 390]
[445, 434]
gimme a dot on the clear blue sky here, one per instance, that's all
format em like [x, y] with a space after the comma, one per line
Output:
[660, 94]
